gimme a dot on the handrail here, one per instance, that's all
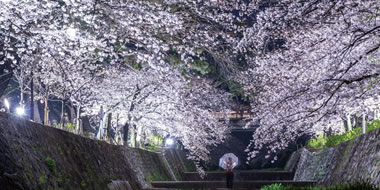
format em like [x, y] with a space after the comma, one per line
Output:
[235, 115]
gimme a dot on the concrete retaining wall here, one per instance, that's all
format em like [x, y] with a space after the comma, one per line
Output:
[349, 161]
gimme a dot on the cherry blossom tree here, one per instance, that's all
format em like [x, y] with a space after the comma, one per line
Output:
[114, 55]
[316, 61]
[163, 102]
[304, 65]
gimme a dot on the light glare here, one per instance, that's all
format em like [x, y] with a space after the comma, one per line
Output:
[20, 111]
[169, 142]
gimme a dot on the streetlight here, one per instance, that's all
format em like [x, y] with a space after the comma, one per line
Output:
[20, 111]
[169, 142]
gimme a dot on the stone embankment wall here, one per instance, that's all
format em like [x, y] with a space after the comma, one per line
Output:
[33, 156]
[177, 163]
[347, 162]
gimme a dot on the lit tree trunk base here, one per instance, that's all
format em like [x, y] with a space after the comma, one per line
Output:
[37, 117]
[107, 134]
[79, 126]
[62, 124]
[349, 124]
[46, 119]
[32, 98]
[364, 124]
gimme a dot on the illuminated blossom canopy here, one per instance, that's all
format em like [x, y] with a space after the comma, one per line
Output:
[316, 61]
[304, 65]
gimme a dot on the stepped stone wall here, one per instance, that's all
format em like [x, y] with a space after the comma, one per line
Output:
[291, 164]
[152, 166]
[177, 163]
[33, 156]
[347, 162]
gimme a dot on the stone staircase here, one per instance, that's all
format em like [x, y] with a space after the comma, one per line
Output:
[244, 180]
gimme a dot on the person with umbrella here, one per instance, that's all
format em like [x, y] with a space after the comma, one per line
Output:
[228, 162]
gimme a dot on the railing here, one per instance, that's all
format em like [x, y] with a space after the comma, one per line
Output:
[235, 115]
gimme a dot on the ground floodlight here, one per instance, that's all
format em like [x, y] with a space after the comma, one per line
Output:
[169, 142]
[20, 111]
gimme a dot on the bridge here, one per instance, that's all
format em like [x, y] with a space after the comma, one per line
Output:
[235, 115]
[237, 120]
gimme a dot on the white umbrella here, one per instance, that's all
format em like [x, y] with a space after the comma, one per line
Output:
[226, 158]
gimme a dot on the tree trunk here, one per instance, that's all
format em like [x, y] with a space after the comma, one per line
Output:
[374, 114]
[108, 128]
[103, 127]
[62, 114]
[78, 125]
[118, 135]
[138, 137]
[81, 127]
[72, 113]
[364, 124]
[85, 124]
[32, 98]
[125, 135]
[5, 77]
[22, 97]
[99, 135]
[46, 120]
[355, 122]
[134, 137]
[117, 119]
[349, 124]
[37, 117]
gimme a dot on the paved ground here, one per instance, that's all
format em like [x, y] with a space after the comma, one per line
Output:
[245, 180]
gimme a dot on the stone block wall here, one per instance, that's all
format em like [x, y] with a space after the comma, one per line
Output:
[34, 156]
[347, 162]
[177, 163]
[291, 164]
[152, 165]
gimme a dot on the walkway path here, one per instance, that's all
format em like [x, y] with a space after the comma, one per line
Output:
[244, 180]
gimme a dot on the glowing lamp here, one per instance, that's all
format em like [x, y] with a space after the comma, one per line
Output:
[169, 142]
[20, 111]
